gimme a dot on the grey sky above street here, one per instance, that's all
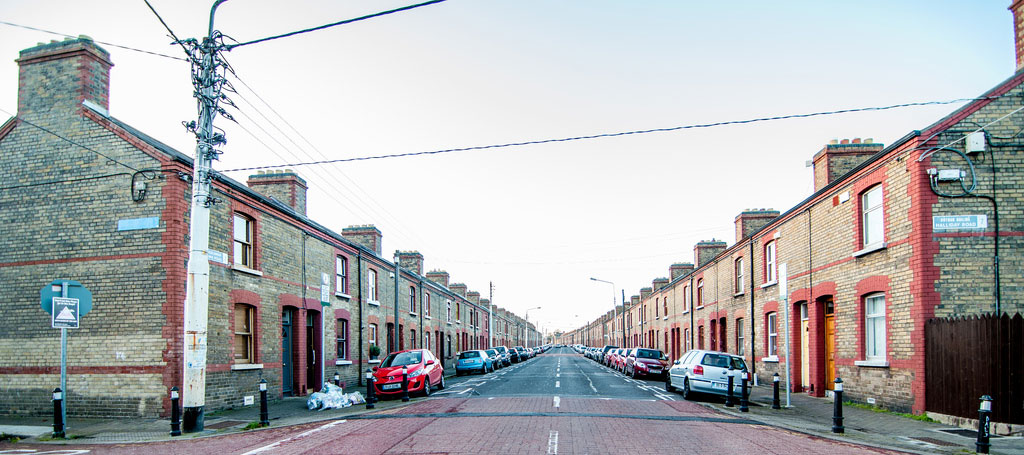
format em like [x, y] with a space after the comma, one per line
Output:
[540, 220]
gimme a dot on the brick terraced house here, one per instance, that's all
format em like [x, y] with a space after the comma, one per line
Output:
[88, 198]
[891, 237]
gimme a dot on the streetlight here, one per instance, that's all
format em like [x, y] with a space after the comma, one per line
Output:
[614, 309]
[527, 328]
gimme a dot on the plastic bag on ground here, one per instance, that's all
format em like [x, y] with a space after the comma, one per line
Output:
[356, 398]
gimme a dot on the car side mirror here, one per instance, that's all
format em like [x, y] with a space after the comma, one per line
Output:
[374, 368]
[676, 362]
[430, 362]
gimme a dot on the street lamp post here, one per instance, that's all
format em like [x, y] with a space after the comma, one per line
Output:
[527, 327]
[614, 310]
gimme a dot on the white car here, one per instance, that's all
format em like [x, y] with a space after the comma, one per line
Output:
[700, 371]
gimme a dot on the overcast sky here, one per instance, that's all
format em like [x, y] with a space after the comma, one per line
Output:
[540, 220]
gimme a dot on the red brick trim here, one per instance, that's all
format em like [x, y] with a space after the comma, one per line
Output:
[81, 369]
[174, 216]
[237, 296]
[8, 126]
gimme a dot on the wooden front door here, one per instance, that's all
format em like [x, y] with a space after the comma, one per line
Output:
[830, 344]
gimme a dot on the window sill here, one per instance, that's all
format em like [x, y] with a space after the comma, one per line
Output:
[770, 359]
[739, 293]
[870, 249]
[872, 363]
[373, 361]
[246, 366]
[343, 295]
[343, 362]
[769, 284]
[246, 270]
[413, 314]
[427, 317]
[373, 302]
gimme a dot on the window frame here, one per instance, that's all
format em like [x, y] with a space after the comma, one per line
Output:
[771, 270]
[772, 331]
[872, 321]
[700, 293]
[739, 337]
[872, 216]
[426, 304]
[244, 250]
[371, 286]
[412, 299]
[341, 274]
[739, 286]
[448, 303]
[250, 335]
[342, 339]
[371, 338]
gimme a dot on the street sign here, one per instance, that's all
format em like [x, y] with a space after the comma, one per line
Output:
[75, 291]
[65, 313]
[325, 290]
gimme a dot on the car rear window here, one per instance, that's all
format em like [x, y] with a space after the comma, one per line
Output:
[469, 355]
[492, 352]
[649, 354]
[723, 361]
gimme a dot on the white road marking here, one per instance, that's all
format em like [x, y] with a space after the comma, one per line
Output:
[490, 398]
[557, 401]
[293, 438]
[558, 384]
[558, 375]
[553, 443]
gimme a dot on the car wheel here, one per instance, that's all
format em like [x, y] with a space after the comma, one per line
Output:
[426, 387]
[687, 394]
[440, 385]
[632, 373]
[458, 373]
[668, 383]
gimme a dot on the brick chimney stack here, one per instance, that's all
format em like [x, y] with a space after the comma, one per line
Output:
[366, 235]
[458, 288]
[659, 283]
[60, 75]
[679, 269]
[706, 250]
[411, 260]
[645, 293]
[285, 186]
[751, 220]
[839, 157]
[1018, 31]
[439, 277]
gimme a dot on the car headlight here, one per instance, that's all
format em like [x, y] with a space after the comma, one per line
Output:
[416, 373]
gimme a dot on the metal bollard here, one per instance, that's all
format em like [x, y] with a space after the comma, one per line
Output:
[744, 393]
[337, 379]
[175, 413]
[728, 394]
[837, 415]
[405, 383]
[775, 392]
[264, 414]
[369, 389]
[984, 419]
[58, 418]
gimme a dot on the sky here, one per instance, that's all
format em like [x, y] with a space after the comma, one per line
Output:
[540, 220]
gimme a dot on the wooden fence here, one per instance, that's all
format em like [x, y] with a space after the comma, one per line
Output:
[974, 356]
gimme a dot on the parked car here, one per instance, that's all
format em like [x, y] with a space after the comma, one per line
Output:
[700, 371]
[514, 356]
[523, 355]
[604, 350]
[645, 362]
[506, 359]
[473, 361]
[610, 357]
[425, 372]
[495, 358]
[620, 360]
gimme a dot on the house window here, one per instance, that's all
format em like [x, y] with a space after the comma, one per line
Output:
[687, 343]
[874, 327]
[244, 324]
[371, 283]
[657, 303]
[373, 335]
[665, 303]
[341, 274]
[448, 345]
[412, 339]
[700, 337]
[873, 218]
[412, 299]
[342, 328]
[449, 305]
[700, 292]
[739, 336]
[769, 263]
[738, 288]
[458, 312]
[686, 298]
[773, 334]
[426, 304]
[243, 233]
[426, 340]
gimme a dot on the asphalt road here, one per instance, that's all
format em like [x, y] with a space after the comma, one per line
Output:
[559, 402]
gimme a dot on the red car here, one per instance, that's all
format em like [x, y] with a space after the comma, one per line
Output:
[620, 360]
[646, 362]
[424, 370]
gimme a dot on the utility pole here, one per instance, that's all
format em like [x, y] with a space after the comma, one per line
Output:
[490, 315]
[197, 290]
[394, 333]
[623, 318]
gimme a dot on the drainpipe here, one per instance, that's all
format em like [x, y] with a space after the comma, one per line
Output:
[359, 273]
[693, 330]
[752, 318]
[421, 312]
[398, 277]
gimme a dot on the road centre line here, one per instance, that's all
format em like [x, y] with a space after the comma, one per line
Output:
[558, 384]
[553, 442]
[447, 415]
[293, 438]
[557, 401]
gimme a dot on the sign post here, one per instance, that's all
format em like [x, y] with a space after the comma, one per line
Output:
[65, 310]
[784, 296]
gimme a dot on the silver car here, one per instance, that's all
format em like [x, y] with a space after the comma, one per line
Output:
[700, 371]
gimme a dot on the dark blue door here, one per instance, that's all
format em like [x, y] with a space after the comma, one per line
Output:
[286, 352]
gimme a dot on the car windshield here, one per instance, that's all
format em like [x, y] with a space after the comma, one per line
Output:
[469, 355]
[723, 361]
[648, 354]
[402, 358]
[492, 352]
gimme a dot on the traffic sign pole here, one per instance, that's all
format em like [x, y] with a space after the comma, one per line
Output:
[64, 362]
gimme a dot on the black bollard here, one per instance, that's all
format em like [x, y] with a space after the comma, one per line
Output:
[837, 415]
[264, 413]
[369, 389]
[58, 418]
[744, 393]
[728, 394]
[175, 413]
[337, 379]
[405, 383]
[775, 392]
[984, 419]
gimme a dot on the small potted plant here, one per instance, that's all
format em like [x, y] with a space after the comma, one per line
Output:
[374, 351]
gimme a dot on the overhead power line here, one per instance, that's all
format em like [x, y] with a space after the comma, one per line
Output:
[608, 135]
[100, 42]
[333, 24]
